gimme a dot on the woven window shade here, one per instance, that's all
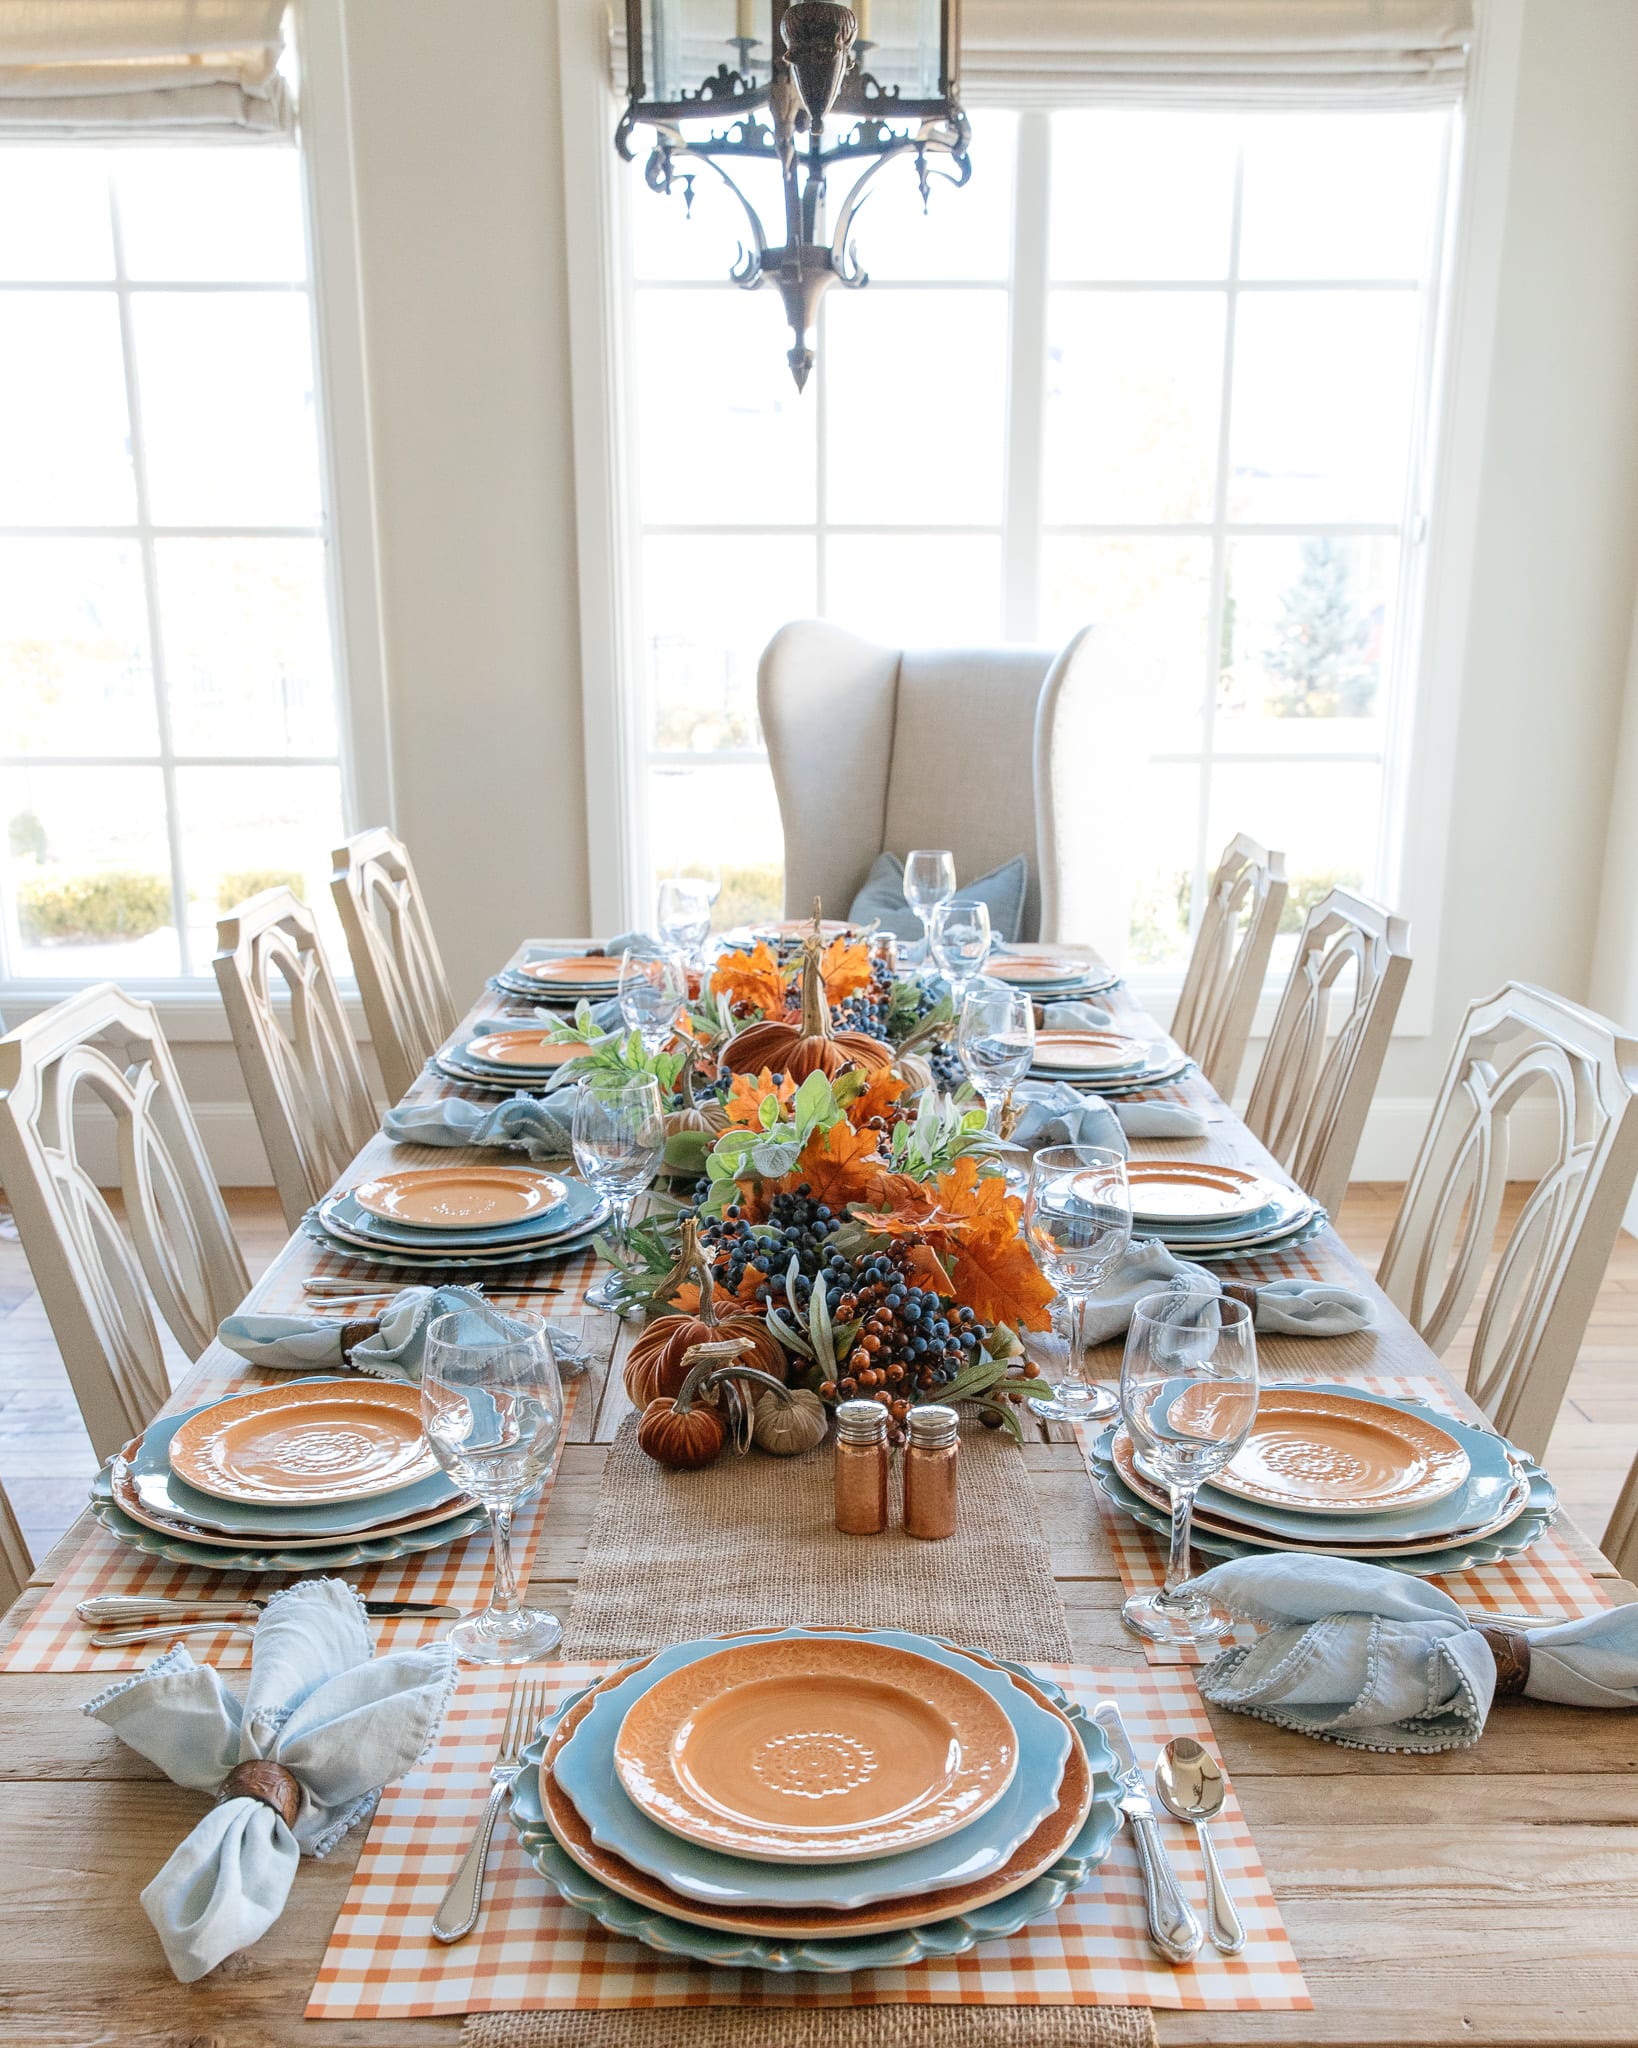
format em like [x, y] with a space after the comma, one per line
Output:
[159, 68]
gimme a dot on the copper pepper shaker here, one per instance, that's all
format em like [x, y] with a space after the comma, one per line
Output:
[930, 1473]
[861, 1468]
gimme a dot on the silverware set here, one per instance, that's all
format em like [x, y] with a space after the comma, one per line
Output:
[463, 1902]
[1190, 1783]
[168, 1621]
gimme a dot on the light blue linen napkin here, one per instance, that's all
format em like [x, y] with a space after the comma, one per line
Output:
[1297, 1308]
[1075, 1014]
[1374, 1659]
[313, 1343]
[528, 1123]
[343, 1724]
[1054, 1113]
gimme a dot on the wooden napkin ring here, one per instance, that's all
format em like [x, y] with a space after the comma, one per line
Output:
[271, 1783]
[1511, 1649]
[1239, 1290]
[355, 1333]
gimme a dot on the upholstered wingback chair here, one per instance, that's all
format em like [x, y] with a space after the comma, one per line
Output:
[989, 751]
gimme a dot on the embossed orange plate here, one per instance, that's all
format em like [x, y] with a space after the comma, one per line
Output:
[1051, 967]
[305, 1444]
[593, 968]
[1086, 1052]
[1189, 1191]
[1330, 1455]
[460, 1197]
[815, 1751]
[524, 1049]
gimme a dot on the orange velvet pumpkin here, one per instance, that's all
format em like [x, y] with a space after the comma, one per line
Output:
[657, 1363]
[688, 1431]
[808, 1046]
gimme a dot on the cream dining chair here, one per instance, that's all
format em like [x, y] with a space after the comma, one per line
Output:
[1619, 1542]
[301, 1067]
[992, 752]
[101, 1275]
[1213, 1018]
[16, 1565]
[1324, 1056]
[395, 956]
[1523, 1047]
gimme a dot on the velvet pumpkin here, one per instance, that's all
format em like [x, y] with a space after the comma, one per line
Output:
[657, 1363]
[808, 1046]
[688, 1431]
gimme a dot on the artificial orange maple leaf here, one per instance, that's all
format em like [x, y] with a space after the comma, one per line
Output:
[844, 968]
[877, 1097]
[838, 1166]
[972, 1223]
[748, 1093]
[751, 981]
[687, 1296]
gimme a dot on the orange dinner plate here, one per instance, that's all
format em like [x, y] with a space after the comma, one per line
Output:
[306, 1444]
[460, 1197]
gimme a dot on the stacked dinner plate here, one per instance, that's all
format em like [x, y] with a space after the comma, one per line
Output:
[805, 1799]
[562, 979]
[1105, 1062]
[303, 1477]
[436, 1217]
[1051, 975]
[507, 1059]
[1209, 1213]
[1336, 1471]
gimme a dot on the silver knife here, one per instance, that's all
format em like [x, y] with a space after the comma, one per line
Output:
[1173, 1928]
[103, 1608]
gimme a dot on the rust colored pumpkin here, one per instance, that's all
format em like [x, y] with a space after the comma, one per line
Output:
[808, 1046]
[657, 1363]
[688, 1432]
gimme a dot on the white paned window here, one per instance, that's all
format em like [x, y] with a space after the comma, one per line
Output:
[1164, 371]
[170, 736]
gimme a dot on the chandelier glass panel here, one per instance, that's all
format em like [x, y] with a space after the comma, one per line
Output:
[816, 90]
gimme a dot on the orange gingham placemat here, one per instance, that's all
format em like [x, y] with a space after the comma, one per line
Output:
[1549, 1578]
[53, 1638]
[531, 1952]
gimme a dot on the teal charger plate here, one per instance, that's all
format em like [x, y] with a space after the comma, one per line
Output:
[837, 1956]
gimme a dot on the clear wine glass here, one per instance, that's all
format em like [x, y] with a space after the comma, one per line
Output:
[619, 1139]
[929, 880]
[653, 993]
[1188, 1392]
[682, 916]
[959, 935]
[492, 1409]
[1078, 1219]
[995, 1040]
[706, 873]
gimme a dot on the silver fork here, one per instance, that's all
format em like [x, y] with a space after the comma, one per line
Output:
[458, 1914]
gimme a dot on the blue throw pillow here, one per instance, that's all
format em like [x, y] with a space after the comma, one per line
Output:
[1001, 891]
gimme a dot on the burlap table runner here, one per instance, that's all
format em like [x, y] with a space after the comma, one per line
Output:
[868, 2026]
[752, 1543]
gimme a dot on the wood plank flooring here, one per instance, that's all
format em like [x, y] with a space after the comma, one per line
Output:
[46, 1462]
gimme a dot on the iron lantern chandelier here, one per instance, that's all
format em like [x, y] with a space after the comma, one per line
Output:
[810, 93]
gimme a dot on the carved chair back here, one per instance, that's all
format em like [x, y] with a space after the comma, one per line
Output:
[301, 1067]
[395, 956]
[1324, 1056]
[1519, 1054]
[100, 1274]
[15, 1563]
[1214, 1012]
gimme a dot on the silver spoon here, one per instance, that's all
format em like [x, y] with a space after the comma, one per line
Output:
[1189, 1780]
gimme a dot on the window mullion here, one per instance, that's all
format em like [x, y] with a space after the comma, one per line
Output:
[150, 585]
[1026, 379]
[1219, 556]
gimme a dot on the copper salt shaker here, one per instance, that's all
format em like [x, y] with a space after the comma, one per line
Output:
[930, 1473]
[861, 1468]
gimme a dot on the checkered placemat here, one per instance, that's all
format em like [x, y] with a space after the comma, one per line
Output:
[1548, 1579]
[531, 1952]
[53, 1638]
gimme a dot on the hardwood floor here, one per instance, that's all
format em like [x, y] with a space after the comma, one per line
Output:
[46, 1462]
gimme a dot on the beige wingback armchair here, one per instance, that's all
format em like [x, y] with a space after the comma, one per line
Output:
[989, 751]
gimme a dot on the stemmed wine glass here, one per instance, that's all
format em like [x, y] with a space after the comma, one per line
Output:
[1078, 1219]
[682, 916]
[492, 1409]
[960, 938]
[1188, 1392]
[653, 993]
[929, 880]
[619, 1140]
[706, 876]
[995, 1040]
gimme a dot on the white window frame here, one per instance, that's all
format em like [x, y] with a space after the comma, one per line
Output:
[1437, 535]
[189, 1004]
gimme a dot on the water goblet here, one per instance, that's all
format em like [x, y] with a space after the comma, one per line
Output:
[995, 1041]
[706, 875]
[619, 1140]
[1078, 1220]
[682, 916]
[653, 993]
[959, 935]
[492, 1410]
[929, 880]
[1188, 1393]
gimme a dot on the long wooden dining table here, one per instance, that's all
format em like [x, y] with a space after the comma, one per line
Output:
[1486, 1895]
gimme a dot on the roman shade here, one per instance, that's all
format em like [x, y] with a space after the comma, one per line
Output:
[157, 68]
